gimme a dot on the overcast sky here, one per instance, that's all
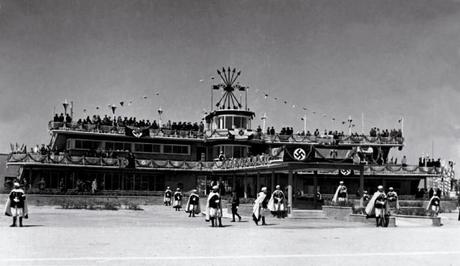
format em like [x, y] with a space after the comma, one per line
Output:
[385, 59]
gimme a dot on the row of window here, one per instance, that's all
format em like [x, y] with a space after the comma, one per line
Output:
[232, 122]
[78, 144]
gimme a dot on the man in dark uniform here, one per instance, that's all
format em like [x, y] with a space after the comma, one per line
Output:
[167, 197]
[235, 204]
[16, 205]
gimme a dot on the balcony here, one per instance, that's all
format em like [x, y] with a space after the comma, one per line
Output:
[229, 164]
[333, 140]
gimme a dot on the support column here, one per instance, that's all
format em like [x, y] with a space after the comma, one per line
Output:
[234, 183]
[257, 183]
[245, 184]
[361, 181]
[425, 185]
[206, 185]
[315, 187]
[273, 181]
[290, 205]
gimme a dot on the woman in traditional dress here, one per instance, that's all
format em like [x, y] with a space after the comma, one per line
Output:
[177, 200]
[167, 197]
[16, 205]
[193, 204]
[393, 201]
[214, 207]
[341, 194]
[378, 207]
[277, 203]
[434, 204]
[260, 207]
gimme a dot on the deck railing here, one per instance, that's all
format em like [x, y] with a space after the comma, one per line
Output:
[229, 164]
[224, 134]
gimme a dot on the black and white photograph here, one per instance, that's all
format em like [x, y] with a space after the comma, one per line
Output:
[215, 132]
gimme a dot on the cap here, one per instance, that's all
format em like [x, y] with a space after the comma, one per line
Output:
[16, 184]
[264, 189]
[380, 187]
[278, 187]
[215, 187]
[341, 182]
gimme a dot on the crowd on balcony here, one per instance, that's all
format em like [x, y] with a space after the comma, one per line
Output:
[429, 162]
[130, 122]
[376, 132]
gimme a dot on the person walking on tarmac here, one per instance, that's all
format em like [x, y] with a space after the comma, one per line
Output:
[378, 206]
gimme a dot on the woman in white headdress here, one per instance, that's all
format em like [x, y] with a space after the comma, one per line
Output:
[260, 207]
[277, 203]
[193, 204]
[378, 207]
[16, 205]
[341, 194]
[177, 200]
[214, 207]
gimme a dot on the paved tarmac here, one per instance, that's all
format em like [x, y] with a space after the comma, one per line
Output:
[159, 235]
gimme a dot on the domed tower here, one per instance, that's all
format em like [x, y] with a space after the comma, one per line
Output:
[229, 124]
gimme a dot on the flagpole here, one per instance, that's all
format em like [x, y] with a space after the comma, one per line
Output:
[362, 123]
[402, 126]
[263, 121]
[305, 123]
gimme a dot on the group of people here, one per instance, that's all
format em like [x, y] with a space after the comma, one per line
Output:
[119, 121]
[429, 162]
[276, 205]
[376, 132]
[381, 205]
[192, 207]
[263, 205]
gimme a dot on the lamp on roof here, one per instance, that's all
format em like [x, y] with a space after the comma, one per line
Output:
[65, 104]
[160, 112]
[113, 107]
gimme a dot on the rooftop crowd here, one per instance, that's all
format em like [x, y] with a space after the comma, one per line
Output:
[374, 132]
[130, 122]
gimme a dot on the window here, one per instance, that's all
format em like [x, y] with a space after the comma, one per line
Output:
[176, 149]
[228, 122]
[146, 147]
[237, 122]
[87, 145]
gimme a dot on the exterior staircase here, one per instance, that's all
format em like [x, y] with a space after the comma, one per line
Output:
[308, 214]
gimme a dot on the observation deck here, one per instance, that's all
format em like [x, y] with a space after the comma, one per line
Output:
[237, 134]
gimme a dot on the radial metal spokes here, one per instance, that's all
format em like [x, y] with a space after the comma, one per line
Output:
[229, 77]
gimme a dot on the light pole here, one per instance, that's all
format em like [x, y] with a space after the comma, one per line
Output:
[304, 119]
[349, 125]
[113, 107]
[263, 120]
[65, 104]
[160, 112]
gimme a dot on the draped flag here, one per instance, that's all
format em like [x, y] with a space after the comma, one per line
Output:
[137, 132]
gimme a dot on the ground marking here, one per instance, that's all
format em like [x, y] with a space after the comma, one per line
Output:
[159, 258]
